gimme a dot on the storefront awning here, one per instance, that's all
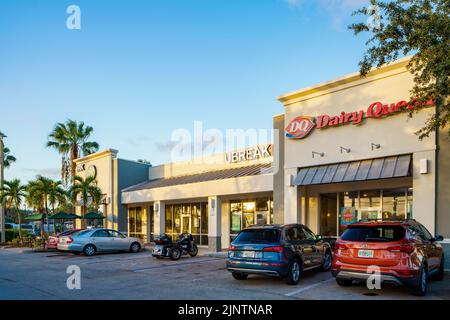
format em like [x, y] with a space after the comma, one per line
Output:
[372, 169]
[253, 170]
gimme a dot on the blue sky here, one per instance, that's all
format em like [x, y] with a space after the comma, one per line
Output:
[138, 70]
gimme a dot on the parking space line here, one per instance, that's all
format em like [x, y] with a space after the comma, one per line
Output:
[291, 294]
[173, 265]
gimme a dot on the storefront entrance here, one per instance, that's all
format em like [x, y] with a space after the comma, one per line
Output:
[137, 223]
[188, 218]
[338, 210]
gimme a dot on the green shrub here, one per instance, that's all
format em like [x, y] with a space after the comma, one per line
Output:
[10, 235]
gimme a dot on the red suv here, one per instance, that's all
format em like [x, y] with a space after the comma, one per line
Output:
[404, 251]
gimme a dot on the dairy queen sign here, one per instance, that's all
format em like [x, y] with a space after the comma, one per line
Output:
[301, 126]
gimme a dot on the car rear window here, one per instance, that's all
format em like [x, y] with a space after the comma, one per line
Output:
[258, 235]
[83, 234]
[374, 234]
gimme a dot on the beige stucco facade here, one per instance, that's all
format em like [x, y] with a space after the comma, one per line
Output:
[391, 135]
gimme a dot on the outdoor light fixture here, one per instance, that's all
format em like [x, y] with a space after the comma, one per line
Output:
[423, 166]
[317, 153]
[347, 150]
[375, 146]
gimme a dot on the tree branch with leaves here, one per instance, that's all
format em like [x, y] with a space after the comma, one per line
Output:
[420, 28]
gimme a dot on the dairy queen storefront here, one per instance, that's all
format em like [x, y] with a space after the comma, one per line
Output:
[350, 152]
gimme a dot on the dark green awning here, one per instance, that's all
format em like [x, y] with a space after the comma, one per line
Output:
[64, 216]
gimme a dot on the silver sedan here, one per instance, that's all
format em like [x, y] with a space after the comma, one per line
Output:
[99, 240]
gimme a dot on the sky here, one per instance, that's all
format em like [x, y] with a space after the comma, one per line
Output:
[137, 71]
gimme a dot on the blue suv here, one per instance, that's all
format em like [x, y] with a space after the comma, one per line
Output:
[283, 251]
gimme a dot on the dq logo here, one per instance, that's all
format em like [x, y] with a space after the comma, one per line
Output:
[300, 127]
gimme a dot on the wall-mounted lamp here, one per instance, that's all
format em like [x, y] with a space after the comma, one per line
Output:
[156, 207]
[317, 153]
[346, 150]
[375, 146]
[213, 204]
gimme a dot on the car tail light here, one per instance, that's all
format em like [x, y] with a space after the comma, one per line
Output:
[278, 249]
[233, 248]
[406, 248]
[339, 246]
[69, 240]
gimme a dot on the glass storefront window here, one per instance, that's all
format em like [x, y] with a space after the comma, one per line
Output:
[370, 205]
[169, 220]
[244, 214]
[137, 223]
[236, 214]
[386, 204]
[394, 204]
[249, 214]
[188, 218]
[409, 204]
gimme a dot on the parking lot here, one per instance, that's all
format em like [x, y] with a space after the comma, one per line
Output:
[31, 275]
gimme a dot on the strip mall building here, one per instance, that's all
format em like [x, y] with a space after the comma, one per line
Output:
[345, 150]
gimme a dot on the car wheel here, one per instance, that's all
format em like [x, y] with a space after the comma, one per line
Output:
[294, 273]
[194, 251]
[420, 289]
[344, 282]
[239, 276]
[135, 247]
[327, 260]
[175, 254]
[440, 275]
[89, 250]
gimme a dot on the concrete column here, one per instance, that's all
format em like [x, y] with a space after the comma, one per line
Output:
[292, 203]
[214, 224]
[159, 208]
[424, 190]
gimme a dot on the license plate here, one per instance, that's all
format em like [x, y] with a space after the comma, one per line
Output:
[248, 254]
[365, 253]
[158, 249]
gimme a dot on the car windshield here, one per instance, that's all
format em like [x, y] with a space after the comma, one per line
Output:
[374, 234]
[258, 235]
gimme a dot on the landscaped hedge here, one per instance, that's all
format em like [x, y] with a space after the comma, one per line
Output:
[14, 234]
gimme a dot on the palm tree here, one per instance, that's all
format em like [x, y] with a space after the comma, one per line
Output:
[8, 159]
[36, 203]
[70, 139]
[86, 190]
[41, 188]
[13, 193]
[57, 195]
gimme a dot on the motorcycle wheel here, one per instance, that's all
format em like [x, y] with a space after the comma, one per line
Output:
[175, 254]
[194, 251]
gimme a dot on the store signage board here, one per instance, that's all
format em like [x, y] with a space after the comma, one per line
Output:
[301, 126]
[249, 154]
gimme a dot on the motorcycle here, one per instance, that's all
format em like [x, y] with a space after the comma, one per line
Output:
[165, 247]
